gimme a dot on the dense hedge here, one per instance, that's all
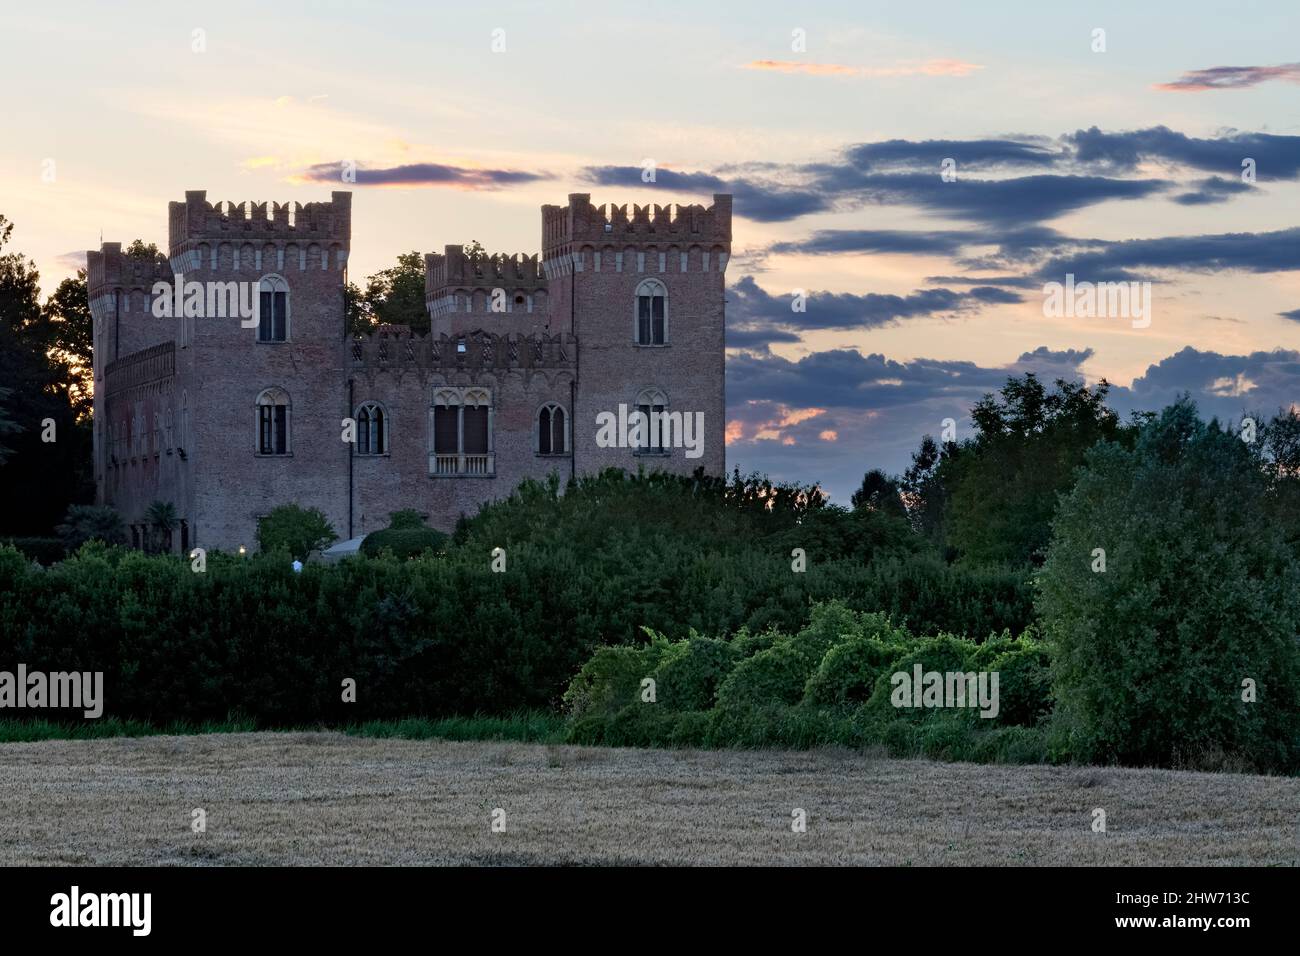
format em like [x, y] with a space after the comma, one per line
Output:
[827, 683]
[428, 637]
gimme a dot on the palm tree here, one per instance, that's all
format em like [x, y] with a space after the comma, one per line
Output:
[161, 515]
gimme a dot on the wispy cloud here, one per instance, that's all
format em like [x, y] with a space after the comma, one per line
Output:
[1231, 78]
[424, 175]
[935, 67]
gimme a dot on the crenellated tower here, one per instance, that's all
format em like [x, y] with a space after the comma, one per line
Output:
[497, 293]
[272, 387]
[643, 292]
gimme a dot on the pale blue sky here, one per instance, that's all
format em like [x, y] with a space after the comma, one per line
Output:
[132, 117]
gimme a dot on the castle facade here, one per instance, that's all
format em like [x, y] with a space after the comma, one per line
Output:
[528, 362]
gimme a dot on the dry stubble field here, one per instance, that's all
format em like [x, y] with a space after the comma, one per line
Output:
[325, 798]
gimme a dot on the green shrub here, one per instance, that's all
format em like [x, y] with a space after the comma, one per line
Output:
[690, 672]
[1024, 684]
[295, 530]
[405, 519]
[774, 676]
[848, 672]
[91, 523]
[611, 679]
[691, 729]
[404, 542]
[943, 654]
[779, 673]
[947, 737]
[901, 738]
[1016, 745]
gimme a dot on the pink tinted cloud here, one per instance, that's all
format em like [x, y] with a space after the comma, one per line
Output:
[1231, 78]
[934, 67]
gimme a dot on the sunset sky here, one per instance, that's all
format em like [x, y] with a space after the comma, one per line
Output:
[922, 294]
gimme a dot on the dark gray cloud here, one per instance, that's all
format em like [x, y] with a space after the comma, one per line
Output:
[1212, 190]
[1241, 251]
[426, 174]
[1017, 201]
[966, 154]
[752, 309]
[878, 240]
[1078, 170]
[757, 200]
[1276, 157]
[1293, 315]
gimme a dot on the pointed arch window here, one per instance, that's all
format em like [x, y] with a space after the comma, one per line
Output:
[372, 429]
[273, 408]
[650, 317]
[653, 404]
[273, 310]
[552, 430]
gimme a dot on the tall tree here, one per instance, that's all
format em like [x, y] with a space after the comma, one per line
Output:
[48, 460]
[67, 333]
[395, 296]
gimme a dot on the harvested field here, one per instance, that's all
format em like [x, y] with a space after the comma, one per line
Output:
[325, 798]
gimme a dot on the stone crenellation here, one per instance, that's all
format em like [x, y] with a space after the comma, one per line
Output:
[582, 222]
[196, 219]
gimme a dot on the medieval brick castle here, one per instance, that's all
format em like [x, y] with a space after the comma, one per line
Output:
[226, 419]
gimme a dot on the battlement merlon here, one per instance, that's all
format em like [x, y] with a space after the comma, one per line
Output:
[453, 269]
[453, 272]
[111, 269]
[583, 223]
[196, 220]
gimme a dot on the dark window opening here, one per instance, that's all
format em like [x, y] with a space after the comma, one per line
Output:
[650, 319]
[476, 430]
[445, 430]
[272, 430]
[272, 322]
[652, 434]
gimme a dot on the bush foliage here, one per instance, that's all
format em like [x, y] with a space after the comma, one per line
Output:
[296, 530]
[827, 683]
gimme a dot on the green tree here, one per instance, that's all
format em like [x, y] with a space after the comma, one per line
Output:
[48, 458]
[1199, 595]
[91, 523]
[879, 492]
[1028, 442]
[67, 334]
[296, 530]
[395, 296]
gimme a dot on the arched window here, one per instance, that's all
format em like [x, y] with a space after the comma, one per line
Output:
[650, 314]
[552, 430]
[372, 429]
[273, 422]
[273, 310]
[653, 404]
